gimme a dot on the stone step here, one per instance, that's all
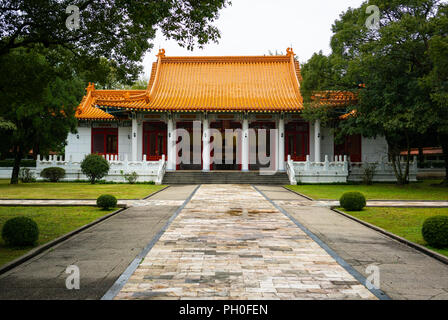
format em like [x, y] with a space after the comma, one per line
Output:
[224, 177]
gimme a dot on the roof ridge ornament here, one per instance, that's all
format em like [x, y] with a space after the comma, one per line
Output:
[90, 87]
[161, 53]
[289, 52]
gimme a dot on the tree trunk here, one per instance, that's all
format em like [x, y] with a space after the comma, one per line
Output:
[408, 158]
[17, 160]
[421, 160]
[394, 153]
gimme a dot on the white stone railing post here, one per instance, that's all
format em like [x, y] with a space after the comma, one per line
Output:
[307, 163]
[161, 170]
[290, 171]
[126, 162]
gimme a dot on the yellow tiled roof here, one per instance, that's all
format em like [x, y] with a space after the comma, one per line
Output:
[234, 83]
[87, 110]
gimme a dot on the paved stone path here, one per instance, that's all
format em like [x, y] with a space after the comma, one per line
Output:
[152, 202]
[229, 242]
[405, 273]
[102, 252]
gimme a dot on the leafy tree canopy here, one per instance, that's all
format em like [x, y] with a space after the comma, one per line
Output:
[401, 64]
[45, 65]
[118, 30]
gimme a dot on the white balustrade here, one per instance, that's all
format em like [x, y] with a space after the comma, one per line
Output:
[146, 170]
[341, 170]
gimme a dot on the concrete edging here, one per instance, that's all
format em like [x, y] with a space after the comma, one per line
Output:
[36, 251]
[411, 244]
[152, 194]
[298, 193]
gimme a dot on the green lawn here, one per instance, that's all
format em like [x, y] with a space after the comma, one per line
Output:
[404, 222]
[53, 222]
[381, 191]
[69, 190]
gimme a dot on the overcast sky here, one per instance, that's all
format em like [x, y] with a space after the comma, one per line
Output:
[253, 27]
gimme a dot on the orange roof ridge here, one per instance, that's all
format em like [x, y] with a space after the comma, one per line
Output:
[86, 109]
[223, 59]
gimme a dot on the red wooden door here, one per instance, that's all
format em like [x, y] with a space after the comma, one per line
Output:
[297, 139]
[154, 140]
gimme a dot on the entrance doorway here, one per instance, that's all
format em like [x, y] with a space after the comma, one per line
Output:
[233, 145]
[297, 144]
[195, 151]
[154, 140]
[255, 145]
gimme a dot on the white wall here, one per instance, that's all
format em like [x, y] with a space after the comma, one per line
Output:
[374, 149]
[139, 141]
[124, 143]
[78, 148]
[326, 144]
[311, 137]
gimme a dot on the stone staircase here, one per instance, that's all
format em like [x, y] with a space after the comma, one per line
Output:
[224, 177]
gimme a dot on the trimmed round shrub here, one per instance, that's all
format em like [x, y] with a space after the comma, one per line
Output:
[54, 174]
[352, 201]
[20, 231]
[94, 167]
[435, 231]
[106, 201]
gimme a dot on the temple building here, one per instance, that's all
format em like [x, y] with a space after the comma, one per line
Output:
[255, 96]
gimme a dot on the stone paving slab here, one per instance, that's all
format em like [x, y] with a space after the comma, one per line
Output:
[405, 273]
[229, 242]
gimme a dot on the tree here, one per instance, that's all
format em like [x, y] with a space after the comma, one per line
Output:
[118, 30]
[437, 80]
[39, 101]
[45, 65]
[391, 61]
